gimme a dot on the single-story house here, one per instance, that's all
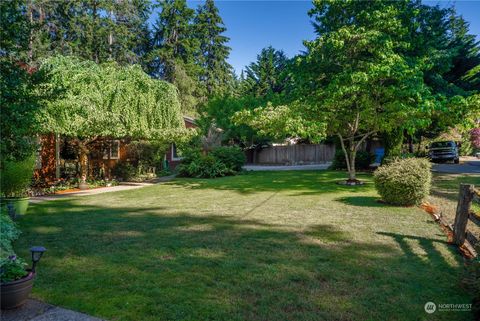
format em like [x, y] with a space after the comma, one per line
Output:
[55, 158]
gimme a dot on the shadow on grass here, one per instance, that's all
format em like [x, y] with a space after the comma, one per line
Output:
[143, 263]
[296, 182]
[367, 201]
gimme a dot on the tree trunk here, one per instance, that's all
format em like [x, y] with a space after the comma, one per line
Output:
[352, 174]
[345, 153]
[410, 144]
[351, 154]
[83, 154]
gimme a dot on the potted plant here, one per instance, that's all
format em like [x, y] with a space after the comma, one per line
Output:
[16, 177]
[16, 280]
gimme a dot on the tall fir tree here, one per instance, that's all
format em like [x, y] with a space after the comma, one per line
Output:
[174, 48]
[216, 73]
[267, 75]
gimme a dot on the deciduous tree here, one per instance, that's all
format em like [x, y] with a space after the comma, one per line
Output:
[106, 100]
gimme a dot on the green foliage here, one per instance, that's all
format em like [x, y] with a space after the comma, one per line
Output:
[16, 176]
[174, 52]
[189, 50]
[267, 75]
[146, 155]
[466, 148]
[222, 161]
[219, 112]
[393, 143]
[9, 232]
[404, 181]
[94, 30]
[363, 160]
[373, 66]
[124, 170]
[232, 156]
[197, 165]
[108, 100]
[12, 268]
[14, 30]
[216, 73]
[19, 109]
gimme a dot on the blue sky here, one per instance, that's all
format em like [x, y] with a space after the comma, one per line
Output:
[253, 25]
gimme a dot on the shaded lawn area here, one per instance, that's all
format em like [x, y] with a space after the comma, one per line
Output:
[259, 246]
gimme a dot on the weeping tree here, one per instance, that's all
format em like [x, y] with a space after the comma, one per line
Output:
[91, 101]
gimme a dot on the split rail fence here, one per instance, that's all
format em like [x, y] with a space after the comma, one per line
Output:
[467, 196]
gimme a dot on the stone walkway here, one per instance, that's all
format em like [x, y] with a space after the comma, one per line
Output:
[34, 310]
[122, 187]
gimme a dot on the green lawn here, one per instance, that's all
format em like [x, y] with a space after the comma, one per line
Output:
[259, 246]
[445, 195]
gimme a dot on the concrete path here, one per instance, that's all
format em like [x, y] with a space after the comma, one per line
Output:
[286, 167]
[34, 310]
[468, 165]
[122, 187]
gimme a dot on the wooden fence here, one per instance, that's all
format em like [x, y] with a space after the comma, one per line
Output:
[295, 154]
[468, 194]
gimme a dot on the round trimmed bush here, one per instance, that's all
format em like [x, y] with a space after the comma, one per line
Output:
[404, 181]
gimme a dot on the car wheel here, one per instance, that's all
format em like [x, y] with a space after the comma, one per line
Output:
[456, 161]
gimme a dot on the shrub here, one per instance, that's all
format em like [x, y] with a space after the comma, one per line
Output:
[124, 170]
[203, 166]
[233, 157]
[12, 268]
[404, 181]
[16, 176]
[362, 160]
[9, 233]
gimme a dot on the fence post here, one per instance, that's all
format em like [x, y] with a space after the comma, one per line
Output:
[465, 198]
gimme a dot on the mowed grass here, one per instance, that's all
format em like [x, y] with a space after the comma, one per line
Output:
[445, 195]
[259, 246]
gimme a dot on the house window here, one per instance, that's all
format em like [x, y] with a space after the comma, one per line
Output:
[112, 150]
[176, 153]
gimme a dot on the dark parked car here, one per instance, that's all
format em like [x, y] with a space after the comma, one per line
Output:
[444, 151]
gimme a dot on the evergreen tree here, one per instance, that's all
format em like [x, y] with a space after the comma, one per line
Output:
[216, 73]
[465, 71]
[266, 75]
[19, 103]
[172, 57]
[14, 30]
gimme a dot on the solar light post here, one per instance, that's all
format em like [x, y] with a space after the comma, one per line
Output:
[37, 252]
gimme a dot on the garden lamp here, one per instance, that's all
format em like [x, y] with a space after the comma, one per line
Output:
[37, 252]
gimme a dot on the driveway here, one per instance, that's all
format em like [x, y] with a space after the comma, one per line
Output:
[468, 165]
